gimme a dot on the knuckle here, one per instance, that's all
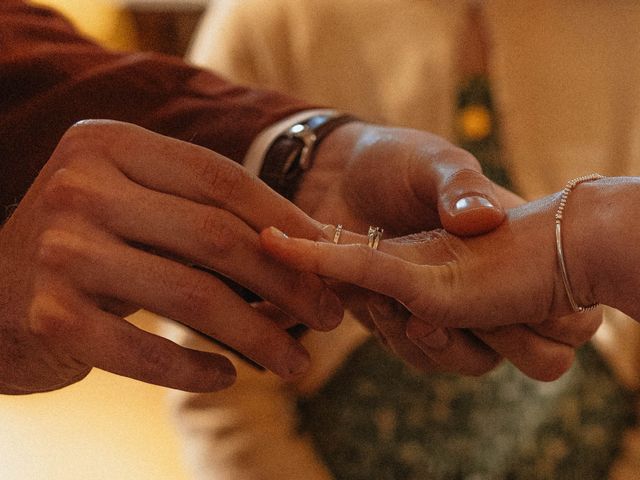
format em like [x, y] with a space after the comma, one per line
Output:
[46, 325]
[85, 136]
[586, 334]
[218, 232]
[223, 180]
[553, 366]
[484, 366]
[83, 128]
[193, 296]
[91, 129]
[460, 157]
[591, 324]
[55, 249]
[47, 319]
[66, 190]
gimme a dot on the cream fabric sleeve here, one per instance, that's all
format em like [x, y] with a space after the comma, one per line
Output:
[383, 61]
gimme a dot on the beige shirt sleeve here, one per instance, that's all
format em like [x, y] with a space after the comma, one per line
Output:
[352, 55]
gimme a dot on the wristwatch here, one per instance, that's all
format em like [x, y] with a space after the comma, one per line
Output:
[291, 153]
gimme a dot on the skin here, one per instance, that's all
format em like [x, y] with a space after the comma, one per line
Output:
[108, 227]
[504, 287]
[118, 214]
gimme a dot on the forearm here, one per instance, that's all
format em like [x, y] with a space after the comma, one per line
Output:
[51, 77]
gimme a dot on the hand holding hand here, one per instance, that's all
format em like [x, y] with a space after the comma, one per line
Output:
[504, 286]
[406, 180]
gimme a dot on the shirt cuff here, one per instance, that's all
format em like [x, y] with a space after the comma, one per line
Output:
[254, 158]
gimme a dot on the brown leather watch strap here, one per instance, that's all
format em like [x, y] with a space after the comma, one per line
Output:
[291, 153]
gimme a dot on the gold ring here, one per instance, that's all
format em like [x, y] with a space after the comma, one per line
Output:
[374, 235]
[336, 235]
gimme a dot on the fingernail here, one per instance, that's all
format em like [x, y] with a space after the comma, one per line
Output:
[331, 310]
[436, 340]
[298, 361]
[473, 202]
[277, 233]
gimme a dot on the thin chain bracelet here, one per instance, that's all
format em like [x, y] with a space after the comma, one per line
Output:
[559, 213]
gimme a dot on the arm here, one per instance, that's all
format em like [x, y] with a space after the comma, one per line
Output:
[51, 78]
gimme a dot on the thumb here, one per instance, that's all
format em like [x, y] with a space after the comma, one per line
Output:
[468, 203]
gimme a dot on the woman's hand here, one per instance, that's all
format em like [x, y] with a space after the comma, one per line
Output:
[112, 221]
[505, 285]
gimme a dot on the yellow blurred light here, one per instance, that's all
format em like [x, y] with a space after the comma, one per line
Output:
[475, 122]
[102, 20]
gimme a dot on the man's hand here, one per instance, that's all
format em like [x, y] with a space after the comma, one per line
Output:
[402, 180]
[114, 220]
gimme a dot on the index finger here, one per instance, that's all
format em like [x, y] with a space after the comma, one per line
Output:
[183, 169]
[355, 263]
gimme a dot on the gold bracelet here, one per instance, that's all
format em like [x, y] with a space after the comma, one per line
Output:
[563, 268]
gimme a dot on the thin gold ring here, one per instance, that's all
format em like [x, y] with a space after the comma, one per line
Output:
[374, 235]
[560, 250]
[337, 233]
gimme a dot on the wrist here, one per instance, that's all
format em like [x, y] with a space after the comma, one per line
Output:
[612, 257]
[330, 165]
[591, 221]
[293, 152]
[573, 245]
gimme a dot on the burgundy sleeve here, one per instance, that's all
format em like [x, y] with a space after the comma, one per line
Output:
[51, 77]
